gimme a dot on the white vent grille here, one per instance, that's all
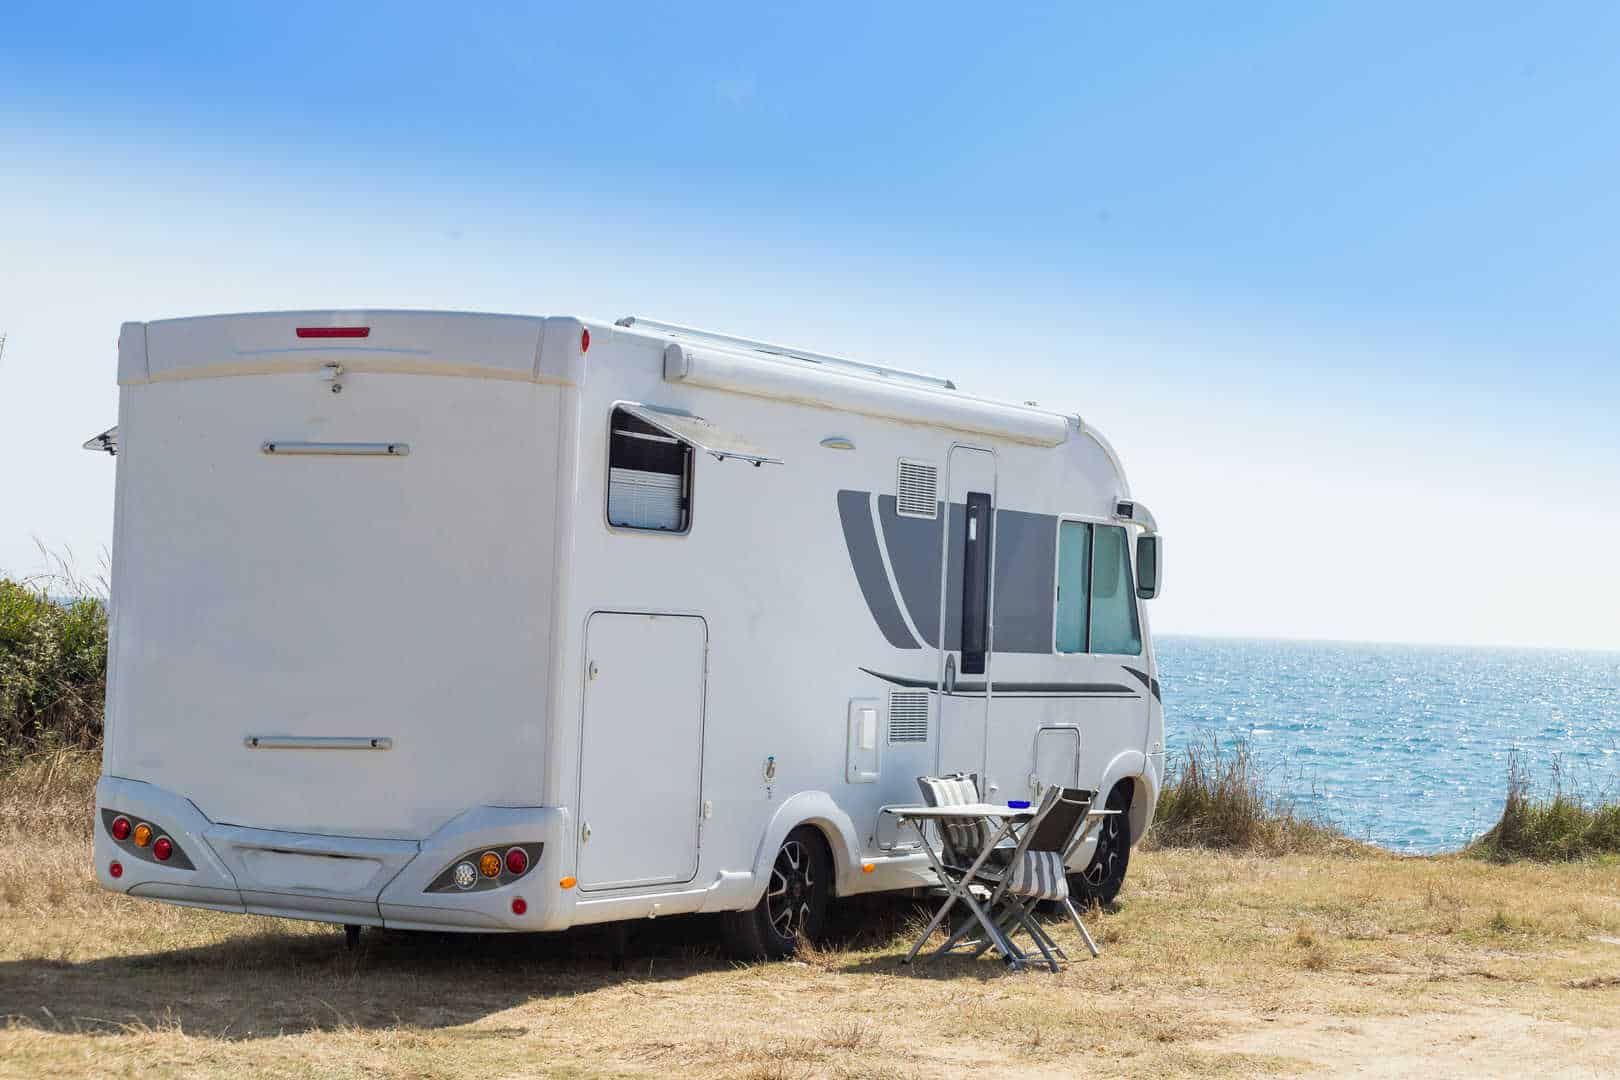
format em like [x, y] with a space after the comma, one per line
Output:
[917, 489]
[908, 716]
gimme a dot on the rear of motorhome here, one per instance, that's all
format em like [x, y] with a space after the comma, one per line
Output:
[488, 622]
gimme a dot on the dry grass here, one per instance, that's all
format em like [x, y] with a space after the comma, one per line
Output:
[1214, 964]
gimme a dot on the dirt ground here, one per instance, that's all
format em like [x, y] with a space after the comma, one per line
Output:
[1212, 966]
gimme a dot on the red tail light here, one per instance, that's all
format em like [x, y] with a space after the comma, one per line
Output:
[334, 331]
[517, 861]
[115, 868]
[519, 905]
[121, 828]
[584, 341]
[162, 848]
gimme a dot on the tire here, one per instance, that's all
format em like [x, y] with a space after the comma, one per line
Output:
[794, 905]
[1100, 881]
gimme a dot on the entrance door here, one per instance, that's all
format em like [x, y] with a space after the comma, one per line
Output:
[968, 584]
[641, 752]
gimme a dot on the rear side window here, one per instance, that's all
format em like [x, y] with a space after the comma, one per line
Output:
[1114, 627]
[649, 477]
[1073, 574]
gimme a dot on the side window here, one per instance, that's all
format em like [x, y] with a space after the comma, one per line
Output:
[1073, 574]
[649, 477]
[1114, 627]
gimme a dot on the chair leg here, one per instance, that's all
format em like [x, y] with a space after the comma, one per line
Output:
[1085, 935]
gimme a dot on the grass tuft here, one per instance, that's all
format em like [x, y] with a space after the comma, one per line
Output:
[1215, 797]
[1559, 828]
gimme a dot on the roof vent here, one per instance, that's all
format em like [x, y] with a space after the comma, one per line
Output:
[908, 716]
[917, 489]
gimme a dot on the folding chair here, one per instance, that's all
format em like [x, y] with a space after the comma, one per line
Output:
[1037, 870]
[965, 850]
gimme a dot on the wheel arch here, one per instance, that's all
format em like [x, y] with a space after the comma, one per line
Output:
[816, 809]
[1129, 769]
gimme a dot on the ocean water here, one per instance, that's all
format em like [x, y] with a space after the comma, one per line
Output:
[1406, 746]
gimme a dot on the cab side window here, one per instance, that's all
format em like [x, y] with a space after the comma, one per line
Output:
[1073, 577]
[1114, 626]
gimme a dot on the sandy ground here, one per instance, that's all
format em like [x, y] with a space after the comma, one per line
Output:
[1212, 966]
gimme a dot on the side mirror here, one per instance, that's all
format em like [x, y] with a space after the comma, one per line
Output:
[1149, 565]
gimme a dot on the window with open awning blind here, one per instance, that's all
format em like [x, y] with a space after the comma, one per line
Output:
[650, 465]
[649, 477]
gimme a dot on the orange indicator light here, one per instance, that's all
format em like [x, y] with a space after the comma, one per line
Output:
[568, 883]
[143, 834]
[489, 864]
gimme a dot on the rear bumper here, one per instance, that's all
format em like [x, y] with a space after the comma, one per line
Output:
[334, 878]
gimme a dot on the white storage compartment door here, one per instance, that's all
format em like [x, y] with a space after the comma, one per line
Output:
[641, 751]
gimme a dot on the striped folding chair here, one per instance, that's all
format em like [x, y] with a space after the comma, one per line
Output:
[1038, 870]
[964, 852]
[960, 839]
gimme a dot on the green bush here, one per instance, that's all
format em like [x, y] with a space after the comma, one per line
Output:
[53, 668]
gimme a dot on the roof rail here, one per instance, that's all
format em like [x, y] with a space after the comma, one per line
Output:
[634, 321]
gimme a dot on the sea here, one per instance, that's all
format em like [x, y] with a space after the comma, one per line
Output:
[1405, 746]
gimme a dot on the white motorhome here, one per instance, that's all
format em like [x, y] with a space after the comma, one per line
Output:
[488, 622]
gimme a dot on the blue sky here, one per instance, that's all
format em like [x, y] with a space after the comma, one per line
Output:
[1355, 263]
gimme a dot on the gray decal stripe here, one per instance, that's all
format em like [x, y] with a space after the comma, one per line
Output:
[855, 515]
[1151, 683]
[913, 545]
[1069, 688]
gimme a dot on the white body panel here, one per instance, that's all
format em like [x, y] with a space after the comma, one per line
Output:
[452, 601]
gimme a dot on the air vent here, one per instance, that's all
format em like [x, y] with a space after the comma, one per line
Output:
[908, 716]
[917, 489]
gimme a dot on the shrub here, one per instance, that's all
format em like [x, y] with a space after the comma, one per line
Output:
[53, 665]
[1561, 827]
[1216, 797]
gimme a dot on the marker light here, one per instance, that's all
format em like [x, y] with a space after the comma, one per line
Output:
[334, 331]
[519, 905]
[162, 848]
[584, 341]
[120, 828]
[466, 875]
[143, 834]
[517, 860]
[567, 883]
[867, 868]
[116, 869]
[489, 864]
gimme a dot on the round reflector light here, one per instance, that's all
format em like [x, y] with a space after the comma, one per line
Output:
[517, 860]
[116, 869]
[489, 864]
[162, 848]
[519, 905]
[466, 873]
[143, 834]
[120, 828]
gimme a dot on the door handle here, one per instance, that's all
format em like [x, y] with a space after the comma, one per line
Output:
[585, 832]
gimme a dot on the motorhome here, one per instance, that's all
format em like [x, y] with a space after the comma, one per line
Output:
[501, 623]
